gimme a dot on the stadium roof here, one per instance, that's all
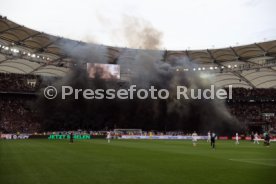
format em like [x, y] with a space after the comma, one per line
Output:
[43, 54]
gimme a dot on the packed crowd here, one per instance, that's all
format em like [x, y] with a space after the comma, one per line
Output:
[254, 112]
[15, 115]
[19, 82]
[251, 94]
[248, 105]
[10, 82]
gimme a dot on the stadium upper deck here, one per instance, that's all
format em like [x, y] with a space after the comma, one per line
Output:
[26, 51]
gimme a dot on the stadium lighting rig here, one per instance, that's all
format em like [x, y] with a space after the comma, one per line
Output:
[222, 69]
[14, 50]
[229, 68]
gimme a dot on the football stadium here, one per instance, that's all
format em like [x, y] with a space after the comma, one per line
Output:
[86, 111]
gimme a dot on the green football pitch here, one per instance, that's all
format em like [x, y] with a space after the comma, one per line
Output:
[135, 161]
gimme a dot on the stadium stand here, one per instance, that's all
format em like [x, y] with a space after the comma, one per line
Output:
[16, 115]
[28, 58]
[11, 82]
[27, 51]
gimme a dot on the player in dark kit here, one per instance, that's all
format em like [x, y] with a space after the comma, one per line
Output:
[71, 137]
[267, 139]
[213, 140]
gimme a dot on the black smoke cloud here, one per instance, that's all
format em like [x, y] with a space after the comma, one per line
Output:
[143, 68]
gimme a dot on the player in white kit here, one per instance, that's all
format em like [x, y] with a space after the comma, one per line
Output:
[209, 137]
[237, 138]
[256, 138]
[108, 137]
[194, 138]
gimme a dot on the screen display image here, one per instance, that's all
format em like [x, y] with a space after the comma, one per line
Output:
[103, 71]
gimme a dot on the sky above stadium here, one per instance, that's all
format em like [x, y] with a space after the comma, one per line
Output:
[182, 24]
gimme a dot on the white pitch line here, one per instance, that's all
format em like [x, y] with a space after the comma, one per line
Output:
[256, 161]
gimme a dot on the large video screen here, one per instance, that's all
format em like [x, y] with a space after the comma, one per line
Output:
[103, 71]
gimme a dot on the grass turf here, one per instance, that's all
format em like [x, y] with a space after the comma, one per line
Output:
[135, 161]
